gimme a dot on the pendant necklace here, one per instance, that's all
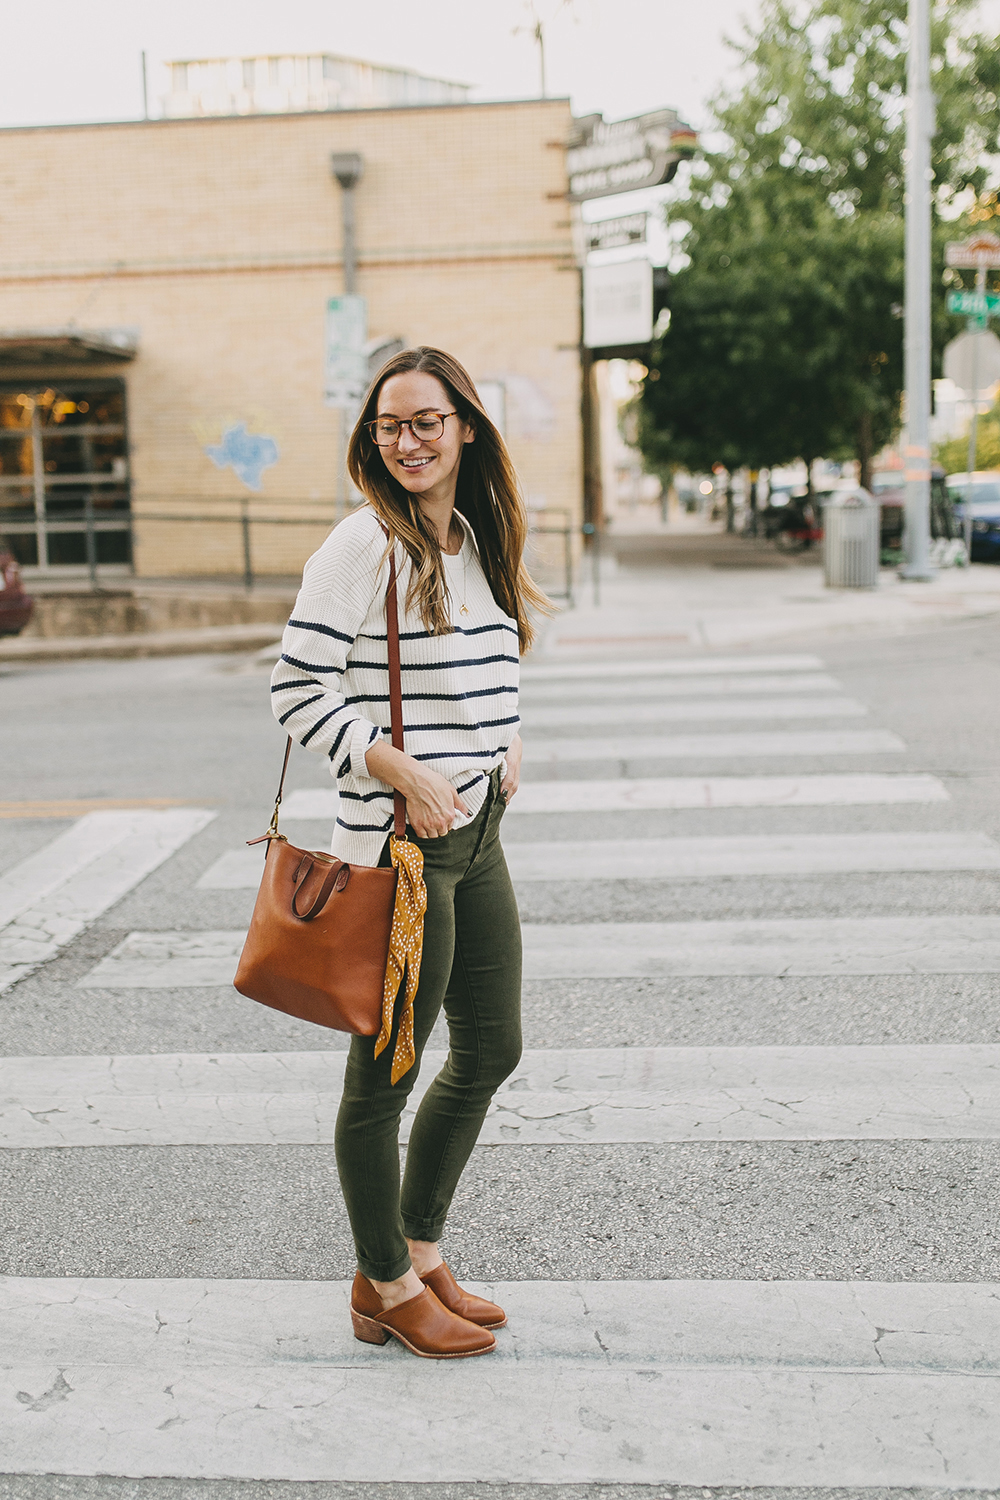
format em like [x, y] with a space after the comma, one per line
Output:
[463, 607]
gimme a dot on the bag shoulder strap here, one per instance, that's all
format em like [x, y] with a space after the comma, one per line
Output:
[395, 703]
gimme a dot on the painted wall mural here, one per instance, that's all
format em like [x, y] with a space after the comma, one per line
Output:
[248, 454]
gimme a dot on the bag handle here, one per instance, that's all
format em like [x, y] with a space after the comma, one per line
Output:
[395, 708]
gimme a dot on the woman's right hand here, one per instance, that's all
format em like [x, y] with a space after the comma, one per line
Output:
[431, 800]
[431, 804]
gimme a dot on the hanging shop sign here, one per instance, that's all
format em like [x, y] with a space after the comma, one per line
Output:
[618, 304]
[617, 156]
[611, 234]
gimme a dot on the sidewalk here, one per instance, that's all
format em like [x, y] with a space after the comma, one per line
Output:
[738, 596]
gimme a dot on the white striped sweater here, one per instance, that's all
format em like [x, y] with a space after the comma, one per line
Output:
[330, 689]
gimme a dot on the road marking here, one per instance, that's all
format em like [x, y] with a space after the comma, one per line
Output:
[619, 794]
[602, 688]
[688, 666]
[641, 1095]
[736, 746]
[620, 950]
[719, 791]
[75, 807]
[751, 854]
[49, 898]
[558, 716]
[729, 1383]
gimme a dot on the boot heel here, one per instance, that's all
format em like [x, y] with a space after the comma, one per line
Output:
[367, 1330]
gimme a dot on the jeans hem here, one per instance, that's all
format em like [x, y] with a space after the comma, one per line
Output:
[422, 1229]
[383, 1270]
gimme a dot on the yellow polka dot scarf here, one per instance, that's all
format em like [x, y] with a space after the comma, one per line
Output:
[406, 946]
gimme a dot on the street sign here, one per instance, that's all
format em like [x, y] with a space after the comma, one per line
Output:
[617, 156]
[973, 304]
[346, 366]
[611, 234]
[979, 253]
[618, 304]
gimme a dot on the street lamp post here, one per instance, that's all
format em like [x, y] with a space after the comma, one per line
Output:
[347, 167]
[919, 130]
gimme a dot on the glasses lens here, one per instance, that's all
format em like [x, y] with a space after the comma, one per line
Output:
[427, 425]
[385, 431]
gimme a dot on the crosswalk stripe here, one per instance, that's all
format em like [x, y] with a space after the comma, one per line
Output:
[603, 689]
[750, 854]
[684, 710]
[321, 803]
[736, 745]
[686, 666]
[50, 897]
[641, 1095]
[672, 858]
[812, 1383]
[619, 950]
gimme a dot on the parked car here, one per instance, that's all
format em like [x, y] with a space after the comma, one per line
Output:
[979, 494]
[15, 605]
[889, 489]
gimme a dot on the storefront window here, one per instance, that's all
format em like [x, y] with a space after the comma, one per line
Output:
[64, 481]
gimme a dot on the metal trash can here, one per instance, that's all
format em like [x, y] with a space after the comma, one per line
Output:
[851, 545]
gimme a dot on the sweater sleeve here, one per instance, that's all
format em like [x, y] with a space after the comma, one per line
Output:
[339, 584]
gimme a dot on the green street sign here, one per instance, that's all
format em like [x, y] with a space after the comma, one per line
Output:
[974, 304]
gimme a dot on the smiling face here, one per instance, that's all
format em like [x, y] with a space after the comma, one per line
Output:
[427, 468]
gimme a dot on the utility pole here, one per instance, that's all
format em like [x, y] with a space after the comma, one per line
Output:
[347, 167]
[919, 131]
[145, 88]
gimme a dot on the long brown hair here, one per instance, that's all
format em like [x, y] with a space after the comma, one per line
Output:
[488, 495]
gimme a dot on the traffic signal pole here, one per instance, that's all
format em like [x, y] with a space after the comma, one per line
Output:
[919, 130]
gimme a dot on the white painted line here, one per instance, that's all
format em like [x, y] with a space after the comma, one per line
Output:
[699, 1383]
[736, 746]
[65, 890]
[751, 854]
[603, 688]
[776, 946]
[676, 711]
[236, 870]
[724, 791]
[688, 666]
[618, 950]
[641, 1095]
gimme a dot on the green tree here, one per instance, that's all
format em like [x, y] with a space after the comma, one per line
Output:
[954, 454]
[785, 337]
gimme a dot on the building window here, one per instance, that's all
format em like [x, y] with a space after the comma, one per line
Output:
[65, 496]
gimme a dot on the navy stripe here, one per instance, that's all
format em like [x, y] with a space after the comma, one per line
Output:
[365, 827]
[429, 666]
[320, 722]
[279, 687]
[338, 635]
[311, 666]
[431, 697]
[364, 796]
[343, 768]
[487, 724]
[470, 784]
[343, 730]
[463, 754]
[426, 635]
[314, 699]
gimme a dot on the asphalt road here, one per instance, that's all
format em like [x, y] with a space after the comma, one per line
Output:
[199, 730]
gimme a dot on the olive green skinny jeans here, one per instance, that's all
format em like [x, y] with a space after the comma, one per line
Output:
[472, 965]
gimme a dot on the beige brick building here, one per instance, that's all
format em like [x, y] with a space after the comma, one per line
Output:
[164, 284]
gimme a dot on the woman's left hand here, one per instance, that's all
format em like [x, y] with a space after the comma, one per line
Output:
[512, 780]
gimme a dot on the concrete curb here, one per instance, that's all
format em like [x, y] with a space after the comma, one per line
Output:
[154, 643]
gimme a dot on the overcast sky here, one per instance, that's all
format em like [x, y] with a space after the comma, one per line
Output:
[74, 60]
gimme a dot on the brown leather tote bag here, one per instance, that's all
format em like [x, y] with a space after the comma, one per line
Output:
[318, 944]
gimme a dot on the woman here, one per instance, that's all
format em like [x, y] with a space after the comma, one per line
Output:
[437, 477]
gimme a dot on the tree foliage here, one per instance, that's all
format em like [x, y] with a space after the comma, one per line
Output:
[954, 454]
[786, 338]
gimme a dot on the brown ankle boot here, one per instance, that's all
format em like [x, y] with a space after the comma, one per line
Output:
[474, 1309]
[421, 1323]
